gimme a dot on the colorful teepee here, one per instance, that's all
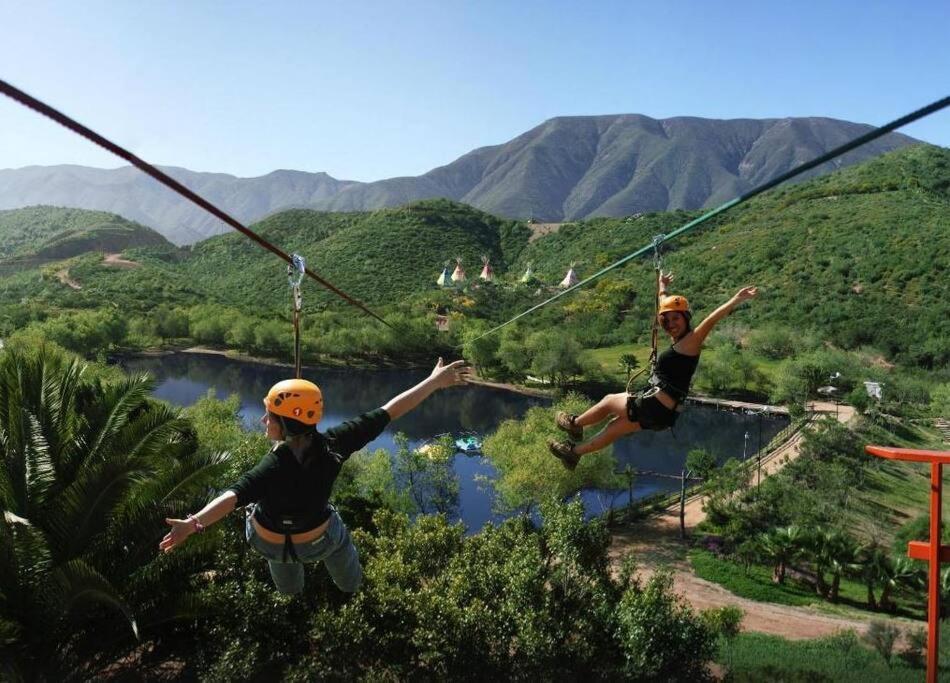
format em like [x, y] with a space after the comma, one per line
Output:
[571, 278]
[528, 273]
[487, 275]
[458, 275]
[444, 280]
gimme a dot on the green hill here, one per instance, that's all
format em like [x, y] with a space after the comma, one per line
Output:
[380, 256]
[858, 258]
[45, 233]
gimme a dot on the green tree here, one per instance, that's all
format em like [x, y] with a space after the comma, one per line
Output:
[628, 363]
[652, 625]
[89, 468]
[170, 323]
[700, 462]
[429, 478]
[512, 352]
[480, 351]
[554, 356]
[781, 547]
[528, 474]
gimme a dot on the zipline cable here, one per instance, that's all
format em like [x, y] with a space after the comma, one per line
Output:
[808, 165]
[166, 180]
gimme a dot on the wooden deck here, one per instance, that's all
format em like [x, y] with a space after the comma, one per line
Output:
[726, 404]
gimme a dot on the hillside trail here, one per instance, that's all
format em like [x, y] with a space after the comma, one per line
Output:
[63, 276]
[119, 262]
[655, 544]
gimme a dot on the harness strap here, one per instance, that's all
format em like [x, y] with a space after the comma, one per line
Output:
[289, 549]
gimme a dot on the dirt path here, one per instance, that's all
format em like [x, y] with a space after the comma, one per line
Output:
[119, 262]
[655, 543]
[63, 276]
[541, 229]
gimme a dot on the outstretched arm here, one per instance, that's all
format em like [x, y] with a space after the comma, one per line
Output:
[181, 529]
[442, 376]
[710, 321]
[663, 281]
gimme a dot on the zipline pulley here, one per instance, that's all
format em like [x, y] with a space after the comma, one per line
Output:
[296, 270]
[657, 241]
[658, 271]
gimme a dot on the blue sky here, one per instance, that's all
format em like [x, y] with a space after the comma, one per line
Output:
[370, 90]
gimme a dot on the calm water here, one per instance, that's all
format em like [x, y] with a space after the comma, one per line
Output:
[184, 378]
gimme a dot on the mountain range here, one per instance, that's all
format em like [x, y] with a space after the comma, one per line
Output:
[567, 168]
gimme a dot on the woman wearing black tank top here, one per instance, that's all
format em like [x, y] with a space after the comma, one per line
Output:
[654, 409]
[287, 494]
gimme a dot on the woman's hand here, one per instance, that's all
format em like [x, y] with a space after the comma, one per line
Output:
[450, 375]
[180, 530]
[442, 376]
[746, 293]
[665, 279]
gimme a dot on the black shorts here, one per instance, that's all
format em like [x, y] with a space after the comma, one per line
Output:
[650, 413]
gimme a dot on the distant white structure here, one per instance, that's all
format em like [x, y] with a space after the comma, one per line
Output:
[444, 279]
[487, 275]
[571, 278]
[874, 389]
[458, 275]
[528, 273]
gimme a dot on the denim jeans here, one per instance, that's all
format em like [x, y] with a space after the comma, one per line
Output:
[334, 548]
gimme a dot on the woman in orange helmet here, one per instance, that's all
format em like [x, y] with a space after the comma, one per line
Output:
[290, 520]
[655, 408]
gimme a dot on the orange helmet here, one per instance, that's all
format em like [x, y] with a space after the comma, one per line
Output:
[674, 303]
[296, 399]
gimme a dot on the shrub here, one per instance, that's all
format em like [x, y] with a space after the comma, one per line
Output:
[653, 624]
[723, 621]
[882, 636]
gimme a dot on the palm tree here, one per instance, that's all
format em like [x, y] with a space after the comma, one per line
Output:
[819, 544]
[89, 470]
[843, 554]
[874, 561]
[781, 547]
[899, 571]
[880, 568]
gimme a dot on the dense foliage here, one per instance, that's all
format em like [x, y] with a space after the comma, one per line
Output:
[852, 259]
[91, 466]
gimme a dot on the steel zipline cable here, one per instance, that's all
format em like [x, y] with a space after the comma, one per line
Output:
[808, 165]
[60, 118]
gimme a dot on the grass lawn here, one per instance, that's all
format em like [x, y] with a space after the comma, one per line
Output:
[758, 657]
[608, 357]
[756, 584]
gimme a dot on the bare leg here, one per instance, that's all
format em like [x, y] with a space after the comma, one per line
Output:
[616, 428]
[613, 406]
[610, 405]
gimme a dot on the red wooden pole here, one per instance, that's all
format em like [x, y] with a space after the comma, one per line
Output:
[933, 571]
[931, 551]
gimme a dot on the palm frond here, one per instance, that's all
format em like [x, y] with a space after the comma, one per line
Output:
[77, 583]
[83, 510]
[57, 415]
[117, 402]
[148, 434]
[40, 474]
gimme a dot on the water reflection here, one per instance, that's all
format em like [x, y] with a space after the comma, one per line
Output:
[182, 379]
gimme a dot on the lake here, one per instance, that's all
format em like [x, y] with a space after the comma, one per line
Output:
[183, 378]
